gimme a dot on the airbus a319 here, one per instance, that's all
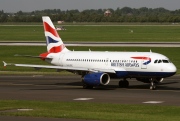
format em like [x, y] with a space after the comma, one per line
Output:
[97, 68]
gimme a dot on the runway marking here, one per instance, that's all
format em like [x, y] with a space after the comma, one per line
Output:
[16, 110]
[153, 102]
[83, 99]
[24, 109]
[37, 75]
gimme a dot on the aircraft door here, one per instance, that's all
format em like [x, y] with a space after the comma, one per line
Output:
[107, 60]
[143, 62]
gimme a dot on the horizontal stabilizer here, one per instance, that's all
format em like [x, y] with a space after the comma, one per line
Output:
[32, 56]
[7, 64]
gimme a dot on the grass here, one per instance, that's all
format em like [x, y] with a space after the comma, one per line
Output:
[7, 54]
[22, 33]
[92, 111]
[95, 33]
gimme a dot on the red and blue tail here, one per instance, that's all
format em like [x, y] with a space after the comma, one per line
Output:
[54, 42]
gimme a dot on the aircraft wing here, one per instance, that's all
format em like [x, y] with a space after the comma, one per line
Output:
[61, 67]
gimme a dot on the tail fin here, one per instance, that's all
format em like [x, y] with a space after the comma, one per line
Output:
[54, 42]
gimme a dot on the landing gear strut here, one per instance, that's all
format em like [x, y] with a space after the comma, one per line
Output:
[123, 83]
[153, 85]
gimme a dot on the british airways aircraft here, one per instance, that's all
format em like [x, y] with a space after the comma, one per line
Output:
[97, 68]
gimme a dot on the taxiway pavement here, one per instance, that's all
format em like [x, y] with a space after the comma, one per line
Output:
[69, 88]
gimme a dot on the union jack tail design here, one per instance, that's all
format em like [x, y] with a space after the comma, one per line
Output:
[54, 42]
[147, 59]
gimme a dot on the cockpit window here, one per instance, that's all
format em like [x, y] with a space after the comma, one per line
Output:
[165, 61]
[155, 61]
[160, 61]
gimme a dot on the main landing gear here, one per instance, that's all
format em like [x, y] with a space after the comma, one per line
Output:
[86, 86]
[123, 83]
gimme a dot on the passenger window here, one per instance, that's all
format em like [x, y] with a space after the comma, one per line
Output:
[155, 61]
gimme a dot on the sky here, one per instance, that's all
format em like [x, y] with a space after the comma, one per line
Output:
[32, 5]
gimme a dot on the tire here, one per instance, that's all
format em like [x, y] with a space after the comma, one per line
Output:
[152, 87]
[120, 84]
[126, 84]
[123, 84]
[85, 86]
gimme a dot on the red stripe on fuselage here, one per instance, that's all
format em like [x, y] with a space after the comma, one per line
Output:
[48, 28]
[143, 58]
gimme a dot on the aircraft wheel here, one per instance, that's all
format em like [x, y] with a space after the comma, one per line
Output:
[153, 87]
[86, 86]
[126, 84]
[123, 84]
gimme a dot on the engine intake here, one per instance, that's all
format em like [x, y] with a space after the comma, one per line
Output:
[95, 79]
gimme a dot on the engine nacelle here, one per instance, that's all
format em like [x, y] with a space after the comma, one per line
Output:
[95, 79]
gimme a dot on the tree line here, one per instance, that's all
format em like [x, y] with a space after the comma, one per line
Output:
[125, 14]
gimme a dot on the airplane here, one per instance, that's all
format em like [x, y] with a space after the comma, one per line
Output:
[97, 68]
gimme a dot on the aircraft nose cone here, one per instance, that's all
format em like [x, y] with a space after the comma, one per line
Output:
[172, 69]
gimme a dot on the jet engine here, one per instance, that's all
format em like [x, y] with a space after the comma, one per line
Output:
[95, 79]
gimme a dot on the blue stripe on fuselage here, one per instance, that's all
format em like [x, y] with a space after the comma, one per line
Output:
[146, 63]
[134, 74]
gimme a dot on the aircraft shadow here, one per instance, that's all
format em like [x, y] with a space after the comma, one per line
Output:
[161, 86]
[78, 85]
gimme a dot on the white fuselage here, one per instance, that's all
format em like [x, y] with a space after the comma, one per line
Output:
[131, 62]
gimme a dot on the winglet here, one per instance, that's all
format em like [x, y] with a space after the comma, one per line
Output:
[5, 64]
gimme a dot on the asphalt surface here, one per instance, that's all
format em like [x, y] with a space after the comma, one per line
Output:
[69, 88]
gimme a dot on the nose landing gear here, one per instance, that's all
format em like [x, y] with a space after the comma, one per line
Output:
[153, 85]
